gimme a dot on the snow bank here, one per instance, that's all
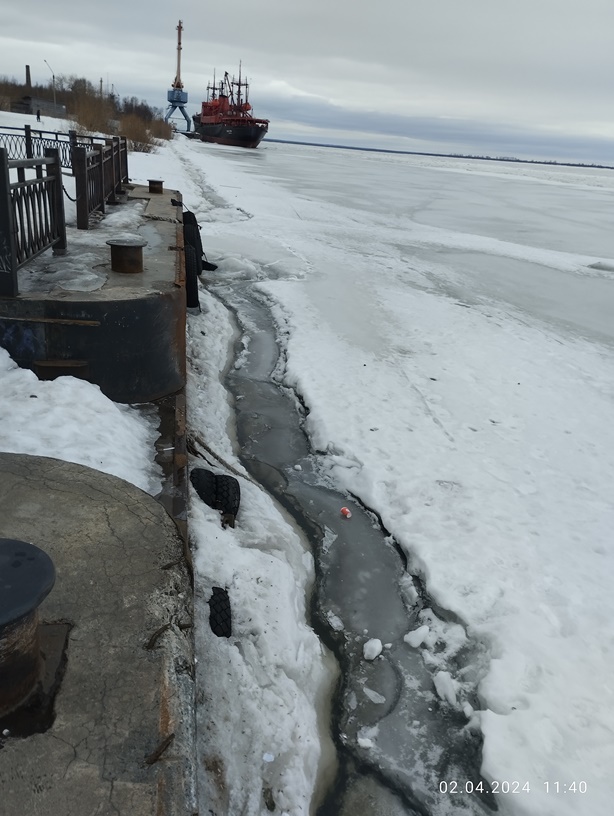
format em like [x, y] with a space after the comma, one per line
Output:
[263, 712]
[71, 419]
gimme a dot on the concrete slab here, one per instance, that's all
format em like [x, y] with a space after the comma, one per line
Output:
[125, 332]
[129, 677]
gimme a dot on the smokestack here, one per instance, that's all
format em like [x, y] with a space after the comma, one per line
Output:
[28, 78]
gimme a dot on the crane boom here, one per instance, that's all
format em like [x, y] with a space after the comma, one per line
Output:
[178, 83]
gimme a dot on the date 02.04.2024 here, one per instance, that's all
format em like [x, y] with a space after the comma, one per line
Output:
[497, 787]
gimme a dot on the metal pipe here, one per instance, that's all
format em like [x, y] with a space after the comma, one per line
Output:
[52, 79]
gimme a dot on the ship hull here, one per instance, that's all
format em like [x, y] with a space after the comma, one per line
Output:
[235, 135]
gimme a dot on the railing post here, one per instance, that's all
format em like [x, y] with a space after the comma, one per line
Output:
[117, 164]
[28, 131]
[79, 169]
[57, 200]
[124, 159]
[102, 194]
[112, 180]
[8, 255]
[72, 140]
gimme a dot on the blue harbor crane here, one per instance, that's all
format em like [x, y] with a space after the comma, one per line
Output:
[177, 97]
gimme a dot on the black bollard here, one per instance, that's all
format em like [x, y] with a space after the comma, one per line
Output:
[27, 576]
[127, 254]
[156, 186]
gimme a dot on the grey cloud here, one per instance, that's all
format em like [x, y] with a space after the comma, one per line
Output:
[502, 73]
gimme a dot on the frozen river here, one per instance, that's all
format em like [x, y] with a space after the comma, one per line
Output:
[446, 326]
[550, 208]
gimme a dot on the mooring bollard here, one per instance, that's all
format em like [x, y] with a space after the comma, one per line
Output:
[27, 576]
[127, 254]
[156, 186]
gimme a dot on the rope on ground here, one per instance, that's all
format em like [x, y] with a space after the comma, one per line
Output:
[195, 441]
[162, 218]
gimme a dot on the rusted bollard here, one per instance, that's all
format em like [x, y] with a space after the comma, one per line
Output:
[27, 576]
[156, 186]
[127, 254]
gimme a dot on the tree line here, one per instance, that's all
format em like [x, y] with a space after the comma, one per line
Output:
[92, 108]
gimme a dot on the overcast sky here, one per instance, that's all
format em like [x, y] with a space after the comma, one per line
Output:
[524, 78]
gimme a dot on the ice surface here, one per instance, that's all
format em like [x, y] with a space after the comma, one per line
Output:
[444, 323]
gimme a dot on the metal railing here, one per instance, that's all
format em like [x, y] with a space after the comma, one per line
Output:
[31, 213]
[99, 171]
[29, 143]
[99, 164]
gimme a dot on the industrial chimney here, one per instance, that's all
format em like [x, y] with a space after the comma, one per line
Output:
[28, 78]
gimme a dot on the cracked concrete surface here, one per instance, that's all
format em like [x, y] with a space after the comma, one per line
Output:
[110, 543]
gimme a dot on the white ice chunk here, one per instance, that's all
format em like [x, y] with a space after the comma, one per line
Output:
[372, 649]
[445, 687]
[374, 696]
[366, 735]
[335, 621]
[417, 636]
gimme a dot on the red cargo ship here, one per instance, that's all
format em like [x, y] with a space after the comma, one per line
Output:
[226, 117]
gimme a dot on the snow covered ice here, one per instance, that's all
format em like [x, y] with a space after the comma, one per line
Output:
[448, 325]
[445, 325]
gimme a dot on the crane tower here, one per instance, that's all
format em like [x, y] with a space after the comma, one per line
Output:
[177, 97]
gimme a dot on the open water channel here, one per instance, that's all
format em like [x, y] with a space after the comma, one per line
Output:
[396, 741]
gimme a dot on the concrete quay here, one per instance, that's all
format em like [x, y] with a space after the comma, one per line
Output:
[111, 727]
[119, 622]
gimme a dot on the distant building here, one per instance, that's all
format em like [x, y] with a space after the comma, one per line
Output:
[30, 104]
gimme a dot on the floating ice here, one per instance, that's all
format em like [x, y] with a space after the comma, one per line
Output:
[444, 685]
[416, 638]
[372, 649]
[374, 696]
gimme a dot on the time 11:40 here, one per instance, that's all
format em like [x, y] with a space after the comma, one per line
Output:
[562, 787]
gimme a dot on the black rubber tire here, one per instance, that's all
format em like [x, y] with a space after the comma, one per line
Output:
[191, 236]
[189, 218]
[228, 495]
[205, 484]
[220, 614]
[192, 267]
